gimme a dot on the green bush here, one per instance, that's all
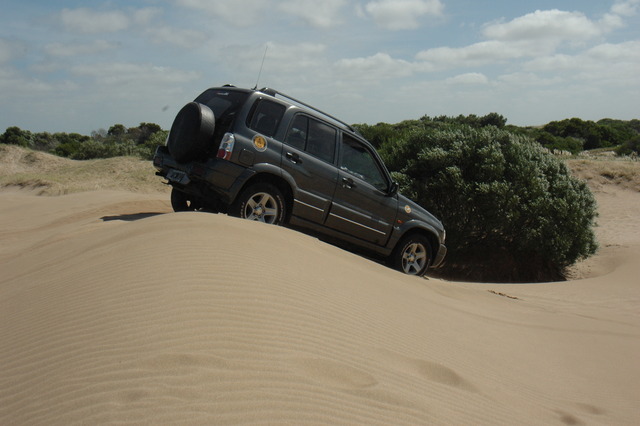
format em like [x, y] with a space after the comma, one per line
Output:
[512, 212]
[630, 147]
[16, 136]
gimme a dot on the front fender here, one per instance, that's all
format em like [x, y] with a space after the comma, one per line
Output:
[416, 225]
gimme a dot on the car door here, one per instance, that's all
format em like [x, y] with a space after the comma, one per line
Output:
[308, 156]
[362, 206]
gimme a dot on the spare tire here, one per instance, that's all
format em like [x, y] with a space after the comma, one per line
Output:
[191, 132]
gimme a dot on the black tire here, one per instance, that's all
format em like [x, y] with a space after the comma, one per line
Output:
[412, 255]
[191, 132]
[183, 202]
[261, 202]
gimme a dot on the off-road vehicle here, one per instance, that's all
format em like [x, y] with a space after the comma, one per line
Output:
[265, 156]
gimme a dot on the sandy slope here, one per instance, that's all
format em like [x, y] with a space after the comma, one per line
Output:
[114, 310]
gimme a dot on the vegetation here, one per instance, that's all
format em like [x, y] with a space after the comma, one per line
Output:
[512, 211]
[118, 141]
[630, 147]
[576, 135]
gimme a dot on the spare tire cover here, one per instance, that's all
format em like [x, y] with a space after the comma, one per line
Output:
[191, 132]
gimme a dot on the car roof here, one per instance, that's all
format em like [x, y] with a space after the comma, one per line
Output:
[282, 97]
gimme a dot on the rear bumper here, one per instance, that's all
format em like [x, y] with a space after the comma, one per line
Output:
[214, 175]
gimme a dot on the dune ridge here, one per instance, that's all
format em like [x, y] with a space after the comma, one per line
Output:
[116, 310]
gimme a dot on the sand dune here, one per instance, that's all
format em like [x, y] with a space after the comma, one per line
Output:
[115, 310]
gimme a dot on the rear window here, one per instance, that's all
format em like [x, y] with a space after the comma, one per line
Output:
[224, 103]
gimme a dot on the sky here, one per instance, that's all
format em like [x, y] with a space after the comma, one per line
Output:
[79, 66]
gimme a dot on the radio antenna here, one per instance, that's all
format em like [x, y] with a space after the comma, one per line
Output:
[261, 65]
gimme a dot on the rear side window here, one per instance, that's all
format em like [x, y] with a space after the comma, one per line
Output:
[313, 136]
[265, 117]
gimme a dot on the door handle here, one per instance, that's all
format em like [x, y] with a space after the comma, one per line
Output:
[348, 183]
[293, 157]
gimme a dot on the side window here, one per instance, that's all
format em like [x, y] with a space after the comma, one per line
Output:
[321, 141]
[313, 136]
[265, 117]
[297, 136]
[360, 162]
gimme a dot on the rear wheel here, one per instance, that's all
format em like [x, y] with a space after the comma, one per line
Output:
[412, 255]
[183, 202]
[261, 202]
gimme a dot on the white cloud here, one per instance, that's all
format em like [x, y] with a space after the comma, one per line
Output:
[64, 50]
[535, 35]
[553, 24]
[145, 16]
[184, 38]
[280, 58]
[401, 14]
[472, 78]
[378, 67]
[284, 65]
[604, 65]
[602, 56]
[622, 52]
[17, 85]
[240, 13]
[87, 21]
[131, 74]
[626, 8]
[521, 79]
[481, 53]
[319, 13]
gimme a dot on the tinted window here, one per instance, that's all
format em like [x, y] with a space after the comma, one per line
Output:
[313, 136]
[360, 162]
[222, 102]
[297, 136]
[265, 117]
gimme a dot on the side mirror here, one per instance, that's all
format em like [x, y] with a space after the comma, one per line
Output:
[393, 189]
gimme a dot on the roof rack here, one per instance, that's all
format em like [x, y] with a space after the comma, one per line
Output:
[273, 92]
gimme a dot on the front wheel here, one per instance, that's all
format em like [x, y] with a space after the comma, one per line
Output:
[261, 202]
[412, 255]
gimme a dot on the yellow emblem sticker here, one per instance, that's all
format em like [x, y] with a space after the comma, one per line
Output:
[260, 143]
[407, 209]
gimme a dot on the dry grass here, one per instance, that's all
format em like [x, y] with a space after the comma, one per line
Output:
[605, 172]
[51, 175]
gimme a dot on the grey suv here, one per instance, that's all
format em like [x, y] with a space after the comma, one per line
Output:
[262, 155]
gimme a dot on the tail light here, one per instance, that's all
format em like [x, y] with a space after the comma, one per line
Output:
[226, 146]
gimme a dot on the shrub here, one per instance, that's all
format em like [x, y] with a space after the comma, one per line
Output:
[93, 149]
[512, 212]
[16, 136]
[630, 147]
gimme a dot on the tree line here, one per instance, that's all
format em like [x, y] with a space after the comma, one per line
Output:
[571, 135]
[118, 140]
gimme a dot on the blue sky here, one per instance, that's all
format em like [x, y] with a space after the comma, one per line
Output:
[78, 66]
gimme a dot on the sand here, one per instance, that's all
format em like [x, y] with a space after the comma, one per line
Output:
[115, 310]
